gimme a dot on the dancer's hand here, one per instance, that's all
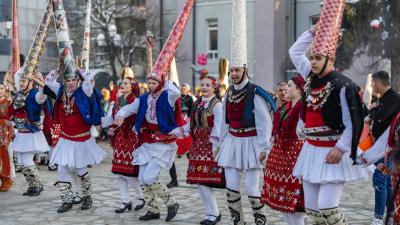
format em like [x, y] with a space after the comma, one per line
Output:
[118, 121]
[263, 157]
[215, 152]
[334, 156]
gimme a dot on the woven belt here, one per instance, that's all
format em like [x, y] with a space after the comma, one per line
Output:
[76, 136]
[316, 129]
[324, 138]
[242, 130]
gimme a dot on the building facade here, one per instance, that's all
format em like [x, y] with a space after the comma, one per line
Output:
[272, 26]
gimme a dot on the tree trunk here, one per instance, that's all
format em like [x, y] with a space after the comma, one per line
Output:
[395, 73]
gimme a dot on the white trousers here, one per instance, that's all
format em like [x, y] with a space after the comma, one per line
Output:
[25, 159]
[149, 173]
[64, 174]
[251, 180]
[294, 219]
[322, 196]
[209, 200]
[123, 183]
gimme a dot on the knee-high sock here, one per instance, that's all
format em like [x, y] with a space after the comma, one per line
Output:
[150, 199]
[86, 185]
[315, 217]
[333, 216]
[32, 177]
[209, 201]
[235, 207]
[163, 192]
[75, 181]
[258, 208]
[66, 191]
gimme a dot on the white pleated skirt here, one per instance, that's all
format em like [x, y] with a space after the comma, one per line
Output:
[239, 152]
[311, 167]
[163, 154]
[30, 142]
[74, 154]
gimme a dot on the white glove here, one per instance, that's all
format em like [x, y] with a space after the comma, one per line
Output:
[51, 77]
[179, 132]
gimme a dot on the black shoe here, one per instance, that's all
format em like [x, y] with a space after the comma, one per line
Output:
[36, 191]
[203, 222]
[139, 207]
[86, 203]
[172, 211]
[52, 167]
[76, 200]
[66, 206]
[150, 216]
[28, 192]
[126, 206]
[213, 222]
[173, 184]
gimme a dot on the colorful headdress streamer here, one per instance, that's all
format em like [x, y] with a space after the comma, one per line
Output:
[223, 70]
[150, 45]
[35, 52]
[162, 65]
[328, 31]
[86, 38]
[239, 36]
[67, 63]
[15, 61]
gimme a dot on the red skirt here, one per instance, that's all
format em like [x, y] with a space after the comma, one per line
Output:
[124, 142]
[396, 214]
[203, 170]
[282, 191]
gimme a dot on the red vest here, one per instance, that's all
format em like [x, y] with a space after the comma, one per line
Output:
[234, 112]
[73, 127]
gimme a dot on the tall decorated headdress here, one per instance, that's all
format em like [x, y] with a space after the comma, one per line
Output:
[164, 60]
[223, 69]
[150, 45]
[239, 34]
[127, 72]
[67, 63]
[327, 33]
[86, 37]
[173, 72]
[32, 61]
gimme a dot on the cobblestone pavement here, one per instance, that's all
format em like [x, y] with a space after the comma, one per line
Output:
[357, 202]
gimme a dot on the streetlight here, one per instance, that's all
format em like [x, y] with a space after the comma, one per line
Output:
[7, 26]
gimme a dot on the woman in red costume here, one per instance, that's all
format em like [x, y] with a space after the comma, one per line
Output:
[124, 141]
[282, 191]
[206, 118]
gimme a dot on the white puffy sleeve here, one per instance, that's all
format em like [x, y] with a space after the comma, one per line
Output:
[173, 92]
[344, 142]
[40, 97]
[88, 84]
[378, 150]
[263, 123]
[216, 130]
[298, 53]
[129, 109]
[108, 120]
[224, 126]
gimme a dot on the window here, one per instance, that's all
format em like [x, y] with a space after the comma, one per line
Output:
[5, 10]
[314, 19]
[5, 47]
[138, 3]
[212, 39]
